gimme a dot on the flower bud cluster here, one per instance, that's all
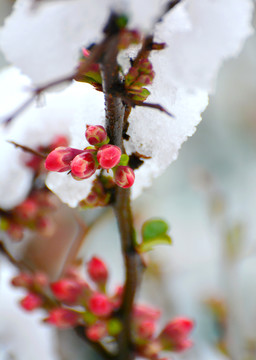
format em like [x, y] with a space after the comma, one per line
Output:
[34, 213]
[72, 301]
[83, 163]
[99, 194]
[92, 74]
[139, 75]
[127, 38]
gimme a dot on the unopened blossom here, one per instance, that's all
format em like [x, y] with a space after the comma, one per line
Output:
[67, 290]
[97, 270]
[96, 331]
[83, 165]
[62, 318]
[100, 305]
[31, 302]
[95, 134]
[109, 156]
[124, 176]
[60, 158]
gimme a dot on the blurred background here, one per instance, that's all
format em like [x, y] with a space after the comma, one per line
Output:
[208, 197]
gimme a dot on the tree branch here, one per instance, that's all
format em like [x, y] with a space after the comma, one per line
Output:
[115, 111]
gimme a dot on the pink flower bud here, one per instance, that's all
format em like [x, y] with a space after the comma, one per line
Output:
[95, 134]
[97, 270]
[60, 140]
[67, 290]
[178, 328]
[40, 280]
[97, 331]
[145, 312]
[146, 329]
[117, 297]
[63, 318]
[31, 301]
[124, 176]
[27, 210]
[100, 305]
[109, 156]
[23, 280]
[183, 344]
[83, 165]
[60, 158]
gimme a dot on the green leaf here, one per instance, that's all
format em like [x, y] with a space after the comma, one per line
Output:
[124, 160]
[154, 232]
[154, 228]
[150, 244]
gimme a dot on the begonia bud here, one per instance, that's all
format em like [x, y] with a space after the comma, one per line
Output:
[22, 279]
[27, 210]
[67, 290]
[31, 301]
[95, 134]
[59, 159]
[178, 328]
[63, 318]
[175, 333]
[124, 176]
[96, 331]
[100, 305]
[145, 312]
[83, 165]
[97, 270]
[109, 156]
[146, 329]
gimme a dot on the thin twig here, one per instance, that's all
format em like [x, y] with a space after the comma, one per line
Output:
[133, 103]
[94, 57]
[27, 149]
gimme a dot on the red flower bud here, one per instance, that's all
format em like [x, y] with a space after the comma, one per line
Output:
[40, 280]
[60, 140]
[63, 318]
[97, 270]
[174, 335]
[27, 210]
[95, 134]
[146, 329]
[60, 158]
[124, 176]
[100, 305]
[67, 290]
[117, 297]
[145, 312]
[109, 156]
[83, 165]
[23, 280]
[97, 331]
[178, 328]
[31, 301]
